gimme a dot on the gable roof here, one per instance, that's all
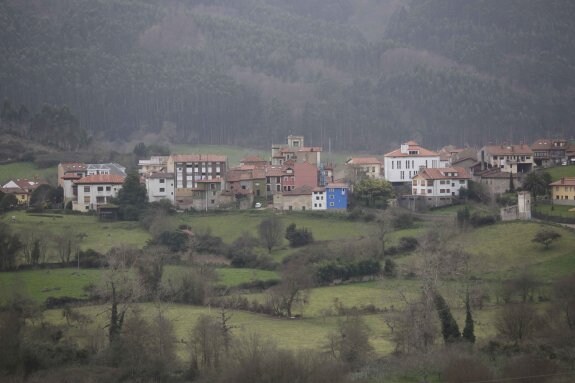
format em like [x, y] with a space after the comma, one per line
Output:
[199, 158]
[101, 179]
[73, 166]
[547, 144]
[363, 161]
[412, 146]
[499, 150]
[566, 181]
[442, 173]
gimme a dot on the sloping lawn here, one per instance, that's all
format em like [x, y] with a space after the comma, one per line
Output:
[26, 170]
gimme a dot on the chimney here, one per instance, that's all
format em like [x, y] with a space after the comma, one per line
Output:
[404, 148]
[562, 180]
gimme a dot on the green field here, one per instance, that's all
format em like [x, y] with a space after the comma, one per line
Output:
[100, 236]
[27, 170]
[557, 210]
[557, 172]
[231, 226]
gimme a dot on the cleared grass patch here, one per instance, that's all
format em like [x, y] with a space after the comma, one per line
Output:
[557, 172]
[41, 284]
[230, 226]
[101, 236]
[226, 276]
[26, 170]
[556, 210]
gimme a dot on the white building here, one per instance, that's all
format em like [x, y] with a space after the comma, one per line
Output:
[318, 199]
[105, 169]
[440, 184]
[156, 164]
[96, 190]
[160, 186]
[402, 164]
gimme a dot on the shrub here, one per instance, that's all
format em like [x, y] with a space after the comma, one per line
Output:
[482, 219]
[298, 237]
[403, 221]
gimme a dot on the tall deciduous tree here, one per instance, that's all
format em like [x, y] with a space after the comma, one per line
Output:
[372, 190]
[271, 231]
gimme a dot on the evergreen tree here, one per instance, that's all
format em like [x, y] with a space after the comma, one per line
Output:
[449, 327]
[468, 331]
[132, 197]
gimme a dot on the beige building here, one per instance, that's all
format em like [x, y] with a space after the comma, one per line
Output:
[507, 158]
[368, 166]
[563, 191]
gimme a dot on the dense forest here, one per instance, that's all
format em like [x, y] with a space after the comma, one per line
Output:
[361, 74]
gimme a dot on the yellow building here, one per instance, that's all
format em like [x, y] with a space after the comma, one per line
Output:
[563, 191]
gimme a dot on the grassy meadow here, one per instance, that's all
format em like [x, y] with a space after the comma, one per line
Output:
[557, 172]
[26, 170]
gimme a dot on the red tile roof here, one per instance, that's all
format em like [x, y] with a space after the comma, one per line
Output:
[363, 161]
[546, 144]
[199, 158]
[440, 173]
[566, 181]
[412, 146]
[101, 179]
[497, 150]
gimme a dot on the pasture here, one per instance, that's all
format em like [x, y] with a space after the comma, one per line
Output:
[557, 172]
[26, 170]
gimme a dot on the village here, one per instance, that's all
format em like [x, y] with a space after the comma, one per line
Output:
[295, 178]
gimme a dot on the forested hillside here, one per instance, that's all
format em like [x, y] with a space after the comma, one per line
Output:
[366, 74]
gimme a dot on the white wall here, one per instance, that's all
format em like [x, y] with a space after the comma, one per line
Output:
[160, 188]
[402, 169]
[88, 195]
[318, 201]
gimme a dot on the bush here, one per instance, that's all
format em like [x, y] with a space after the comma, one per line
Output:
[482, 219]
[407, 244]
[298, 237]
[328, 272]
[403, 221]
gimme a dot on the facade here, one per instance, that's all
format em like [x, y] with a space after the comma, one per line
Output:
[495, 181]
[21, 188]
[96, 190]
[549, 152]
[318, 199]
[336, 196]
[299, 174]
[440, 186]
[364, 166]
[404, 163]
[296, 151]
[296, 200]
[563, 191]
[71, 169]
[508, 158]
[111, 168]
[160, 186]
[156, 164]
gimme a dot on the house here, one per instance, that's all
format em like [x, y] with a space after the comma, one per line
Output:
[336, 196]
[440, 186]
[508, 158]
[402, 164]
[563, 191]
[496, 181]
[549, 152]
[295, 175]
[160, 186]
[247, 181]
[156, 164]
[363, 166]
[21, 188]
[296, 199]
[296, 151]
[110, 168]
[96, 190]
[76, 170]
[318, 199]
[197, 178]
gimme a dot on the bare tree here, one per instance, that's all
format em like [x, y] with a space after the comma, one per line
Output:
[271, 231]
[517, 322]
[296, 280]
[350, 342]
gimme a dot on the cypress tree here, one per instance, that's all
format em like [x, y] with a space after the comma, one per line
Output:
[468, 331]
[449, 327]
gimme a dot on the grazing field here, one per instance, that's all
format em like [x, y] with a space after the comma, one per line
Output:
[26, 170]
[557, 172]
[226, 276]
[556, 210]
[100, 236]
[41, 284]
[506, 249]
[230, 226]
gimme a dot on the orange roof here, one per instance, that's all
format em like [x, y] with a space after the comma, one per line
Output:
[566, 181]
[101, 179]
[199, 158]
[252, 158]
[363, 161]
[441, 173]
[412, 146]
[497, 150]
[73, 166]
[337, 185]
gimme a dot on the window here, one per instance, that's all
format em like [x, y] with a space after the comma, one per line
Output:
[315, 205]
[331, 196]
[100, 199]
[392, 165]
[278, 187]
[212, 201]
[100, 188]
[87, 199]
[86, 189]
[429, 191]
[399, 164]
[331, 204]
[108, 188]
[162, 190]
[402, 175]
[162, 180]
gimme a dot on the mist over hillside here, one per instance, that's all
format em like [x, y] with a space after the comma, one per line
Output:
[363, 74]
